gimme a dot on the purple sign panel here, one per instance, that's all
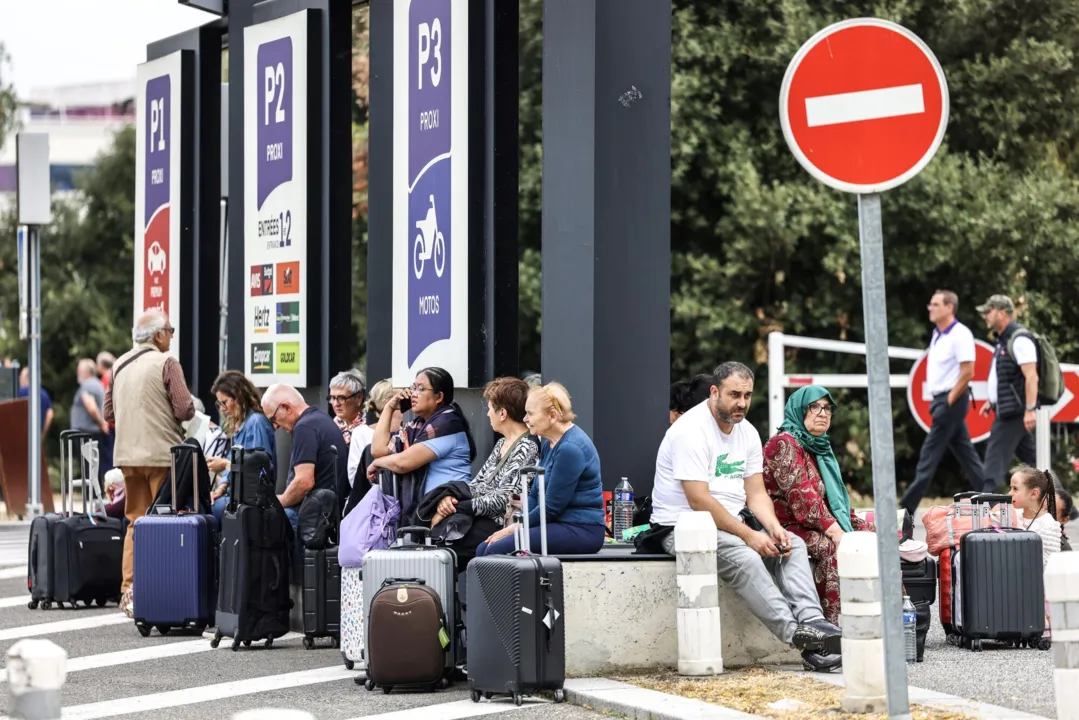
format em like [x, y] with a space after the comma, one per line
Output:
[274, 80]
[158, 145]
[429, 162]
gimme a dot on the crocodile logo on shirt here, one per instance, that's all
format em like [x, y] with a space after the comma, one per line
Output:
[729, 468]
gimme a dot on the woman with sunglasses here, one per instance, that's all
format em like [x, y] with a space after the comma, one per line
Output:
[348, 391]
[804, 481]
[239, 407]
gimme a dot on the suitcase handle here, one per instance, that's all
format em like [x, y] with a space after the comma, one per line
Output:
[413, 530]
[526, 539]
[236, 477]
[965, 495]
[68, 438]
[413, 581]
[179, 450]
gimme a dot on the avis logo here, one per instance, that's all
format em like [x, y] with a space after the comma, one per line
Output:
[156, 259]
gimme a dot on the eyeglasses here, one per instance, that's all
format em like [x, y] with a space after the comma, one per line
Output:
[168, 330]
[419, 389]
[273, 417]
[336, 399]
[221, 404]
[818, 409]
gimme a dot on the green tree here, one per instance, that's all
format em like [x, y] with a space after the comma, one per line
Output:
[8, 103]
[86, 275]
[758, 245]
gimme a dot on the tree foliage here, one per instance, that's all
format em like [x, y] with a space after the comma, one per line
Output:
[8, 103]
[758, 245]
[87, 272]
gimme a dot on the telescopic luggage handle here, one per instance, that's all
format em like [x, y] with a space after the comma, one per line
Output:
[236, 476]
[179, 450]
[526, 539]
[984, 501]
[68, 438]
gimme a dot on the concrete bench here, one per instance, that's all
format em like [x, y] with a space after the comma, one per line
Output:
[621, 614]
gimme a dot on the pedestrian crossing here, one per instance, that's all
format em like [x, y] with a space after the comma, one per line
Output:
[112, 671]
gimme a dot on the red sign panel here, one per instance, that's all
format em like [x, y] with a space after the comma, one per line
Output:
[918, 399]
[864, 105]
[155, 266]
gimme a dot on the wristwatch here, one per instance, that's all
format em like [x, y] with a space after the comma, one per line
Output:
[1032, 407]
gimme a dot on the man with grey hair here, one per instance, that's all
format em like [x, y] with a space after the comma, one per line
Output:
[86, 410]
[147, 400]
[312, 462]
[711, 460]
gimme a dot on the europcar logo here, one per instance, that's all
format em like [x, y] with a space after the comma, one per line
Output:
[262, 358]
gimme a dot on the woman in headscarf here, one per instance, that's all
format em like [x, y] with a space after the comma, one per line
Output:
[803, 478]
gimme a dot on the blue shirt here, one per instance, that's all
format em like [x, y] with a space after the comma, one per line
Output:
[451, 461]
[255, 432]
[574, 486]
[46, 402]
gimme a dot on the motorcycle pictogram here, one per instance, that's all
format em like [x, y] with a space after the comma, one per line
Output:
[430, 244]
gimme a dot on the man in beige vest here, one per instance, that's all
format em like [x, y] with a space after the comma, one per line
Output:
[147, 399]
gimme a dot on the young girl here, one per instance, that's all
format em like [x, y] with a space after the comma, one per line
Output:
[1034, 492]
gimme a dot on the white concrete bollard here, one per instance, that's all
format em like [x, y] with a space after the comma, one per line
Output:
[36, 670]
[1062, 594]
[863, 633]
[700, 647]
[273, 714]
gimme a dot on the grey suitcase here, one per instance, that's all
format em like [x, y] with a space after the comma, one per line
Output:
[435, 566]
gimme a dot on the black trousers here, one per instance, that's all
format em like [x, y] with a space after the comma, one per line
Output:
[948, 432]
[1008, 439]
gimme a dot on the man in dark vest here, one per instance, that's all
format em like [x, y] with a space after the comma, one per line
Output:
[1013, 392]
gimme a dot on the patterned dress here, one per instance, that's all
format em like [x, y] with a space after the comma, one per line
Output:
[794, 483]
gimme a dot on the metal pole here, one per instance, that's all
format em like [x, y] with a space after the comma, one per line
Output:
[883, 452]
[223, 333]
[776, 373]
[1042, 438]
[33, 253]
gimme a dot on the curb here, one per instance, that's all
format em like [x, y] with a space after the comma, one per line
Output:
[610, 696]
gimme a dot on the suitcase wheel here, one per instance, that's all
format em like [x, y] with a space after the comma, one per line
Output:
[144, 630]
[101, 601]
[443, 683]
[518, 699]
[976, 645]
[386, 689]
[308, 643]
[475, 695]
[216, 641]
[247, 643]
[369, 684]
[336, 643]
[269, 641]
[488, 696]
[32, 604]
[46, 605]
[349, 665]
[560, 695]
[235, 645]
[1042, 643]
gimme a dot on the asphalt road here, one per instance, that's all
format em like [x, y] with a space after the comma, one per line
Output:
[114, 672]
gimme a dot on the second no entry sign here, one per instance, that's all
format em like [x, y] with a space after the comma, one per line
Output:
[864, 105]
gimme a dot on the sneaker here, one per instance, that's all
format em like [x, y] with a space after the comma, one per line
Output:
[818, 635]
[817, 662]
[127, 603]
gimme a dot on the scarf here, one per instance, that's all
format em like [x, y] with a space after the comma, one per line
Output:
[447, 420]
[820, 447]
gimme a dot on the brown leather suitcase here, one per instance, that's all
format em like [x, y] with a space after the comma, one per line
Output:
[407, 636]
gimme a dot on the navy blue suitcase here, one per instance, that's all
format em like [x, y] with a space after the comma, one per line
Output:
[175, 562]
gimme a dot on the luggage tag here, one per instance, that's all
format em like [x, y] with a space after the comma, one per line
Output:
[443, 638]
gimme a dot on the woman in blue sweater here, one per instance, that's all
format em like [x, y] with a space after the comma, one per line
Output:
[574, 487]
[240, 410]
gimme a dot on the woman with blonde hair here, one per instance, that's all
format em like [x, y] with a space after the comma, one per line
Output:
[380, 394]
[574, 485]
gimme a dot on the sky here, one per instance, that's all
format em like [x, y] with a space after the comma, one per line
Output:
[70, 42]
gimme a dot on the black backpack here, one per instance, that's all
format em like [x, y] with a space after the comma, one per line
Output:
[318, 519]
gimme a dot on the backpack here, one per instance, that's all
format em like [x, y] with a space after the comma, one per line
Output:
[1050, 377]
[318, 519]
[372, 525]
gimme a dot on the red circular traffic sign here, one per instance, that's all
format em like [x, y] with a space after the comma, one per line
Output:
[977, 426]
[864, 105]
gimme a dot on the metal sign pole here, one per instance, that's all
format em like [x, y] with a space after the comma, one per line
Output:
[34, 507]
[883, 452]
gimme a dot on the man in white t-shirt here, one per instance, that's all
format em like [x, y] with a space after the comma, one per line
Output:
[710, 460]
[949, 370]
[1013, 392]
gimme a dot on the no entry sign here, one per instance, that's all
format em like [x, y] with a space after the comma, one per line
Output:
[864, 105]
[918, 399]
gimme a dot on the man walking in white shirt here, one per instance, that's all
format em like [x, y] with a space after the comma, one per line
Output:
[949, 369]
[1013, 392]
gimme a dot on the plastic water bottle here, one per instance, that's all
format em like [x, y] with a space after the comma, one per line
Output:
[910, 629]
[622, 509]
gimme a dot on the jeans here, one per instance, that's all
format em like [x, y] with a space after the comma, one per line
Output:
[562, 539]
[779, 591]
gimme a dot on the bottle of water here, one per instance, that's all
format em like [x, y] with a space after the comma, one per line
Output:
[622, 509]
[910, 629]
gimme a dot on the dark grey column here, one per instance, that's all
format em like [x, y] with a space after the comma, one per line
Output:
[606, 223]
[380, 195]
[200, 200]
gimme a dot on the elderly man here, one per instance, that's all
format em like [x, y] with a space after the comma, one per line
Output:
[147, 400]
[87, 408]
[311, 463]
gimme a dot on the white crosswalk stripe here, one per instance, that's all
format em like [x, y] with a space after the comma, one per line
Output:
[13, 546]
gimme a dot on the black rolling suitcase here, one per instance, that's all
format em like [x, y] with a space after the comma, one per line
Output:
[256, 553]
[516, 628]
[75, 557]
[999, 591]
[319, 530]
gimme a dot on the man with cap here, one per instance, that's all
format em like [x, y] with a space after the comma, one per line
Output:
[1013, 391]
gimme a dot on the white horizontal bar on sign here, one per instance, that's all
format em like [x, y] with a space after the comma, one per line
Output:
[865, 105]
[840, 381]
[843, 346]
